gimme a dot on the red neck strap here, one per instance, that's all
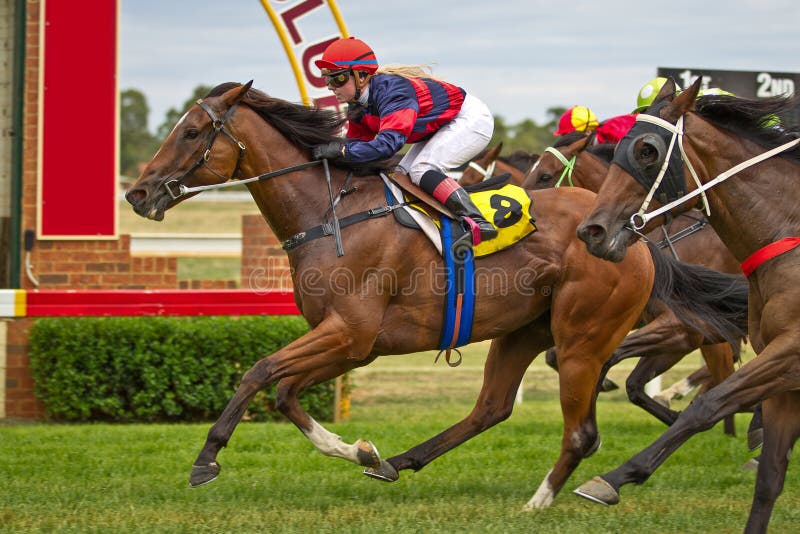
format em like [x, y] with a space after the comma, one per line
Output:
[767, 253]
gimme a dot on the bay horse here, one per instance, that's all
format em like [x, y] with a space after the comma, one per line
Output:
[574, 160]
[490, 163]
[727, 152]
[381, 292]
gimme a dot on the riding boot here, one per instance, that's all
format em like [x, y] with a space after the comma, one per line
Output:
[448, 192]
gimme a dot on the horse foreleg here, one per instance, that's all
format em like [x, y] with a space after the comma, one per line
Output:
[577, 377]
[719, 360]
[329, 342]
[508, 358]
[772, 372]
[781, 430]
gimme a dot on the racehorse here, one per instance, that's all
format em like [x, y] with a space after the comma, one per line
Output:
[379, 291]
[745, 169]
[574, 160]
[490, 163]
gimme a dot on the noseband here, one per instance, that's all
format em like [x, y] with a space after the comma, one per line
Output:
[174, 187]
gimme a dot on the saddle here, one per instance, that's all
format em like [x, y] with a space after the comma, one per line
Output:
[507, 206]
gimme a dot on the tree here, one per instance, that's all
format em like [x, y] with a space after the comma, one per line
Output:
[137, 144]
[173, 115]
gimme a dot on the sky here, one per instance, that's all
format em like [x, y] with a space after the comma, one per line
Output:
[521, 57]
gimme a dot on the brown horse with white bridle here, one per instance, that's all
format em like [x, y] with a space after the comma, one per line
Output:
[731, 154]
[370, 287]
[574, 160]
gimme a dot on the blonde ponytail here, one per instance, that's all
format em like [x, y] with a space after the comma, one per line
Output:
[408, 71]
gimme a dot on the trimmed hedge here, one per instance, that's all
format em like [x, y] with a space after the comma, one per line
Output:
[159, 368]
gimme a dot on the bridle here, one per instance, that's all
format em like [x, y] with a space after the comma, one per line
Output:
[640, 219]
[175, 188]
[569, 165]
[488, 172]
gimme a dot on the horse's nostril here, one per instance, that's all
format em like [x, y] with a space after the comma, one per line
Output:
[591, 232]
[135, 196]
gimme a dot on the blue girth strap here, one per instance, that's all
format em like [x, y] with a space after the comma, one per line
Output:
[459, 286]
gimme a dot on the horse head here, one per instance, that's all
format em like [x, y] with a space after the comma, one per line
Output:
[194, 153]
[647, 167]
[555, 166]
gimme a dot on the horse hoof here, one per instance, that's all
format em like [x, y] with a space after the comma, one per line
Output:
[203, 474]
[662, 401]
[755, 438]
[750, 465]
[385, 472]
[368, 454]
[608, 385]
[599, 491]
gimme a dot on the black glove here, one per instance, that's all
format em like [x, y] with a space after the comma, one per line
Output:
[355, 112]
[332, 150]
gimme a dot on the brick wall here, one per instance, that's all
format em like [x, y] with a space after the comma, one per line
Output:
[19, 386]
[264, 263]
[103, 264]
[89, 264]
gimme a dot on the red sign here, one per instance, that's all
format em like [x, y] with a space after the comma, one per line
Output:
[78, 119]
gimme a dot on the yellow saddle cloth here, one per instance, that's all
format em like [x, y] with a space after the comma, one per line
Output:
[509, 210]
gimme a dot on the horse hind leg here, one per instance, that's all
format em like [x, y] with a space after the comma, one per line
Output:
[646, 369]
[326, 344]
[509, 356]
[781, 430]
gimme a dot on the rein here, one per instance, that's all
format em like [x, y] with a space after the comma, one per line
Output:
[176, 189]
[640, 219]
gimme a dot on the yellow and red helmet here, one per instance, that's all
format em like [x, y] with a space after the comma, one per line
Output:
[577, 118]
[350, 54]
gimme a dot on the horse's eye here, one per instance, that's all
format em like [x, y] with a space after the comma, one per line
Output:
[545, 177]
[191, 133]
[648, 154]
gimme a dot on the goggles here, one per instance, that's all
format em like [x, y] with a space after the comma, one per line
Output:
[337, 79]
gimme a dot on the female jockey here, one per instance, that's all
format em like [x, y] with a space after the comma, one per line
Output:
[394, 105]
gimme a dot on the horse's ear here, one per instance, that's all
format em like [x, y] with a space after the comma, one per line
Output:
[667, 91]
[683, 102]
[689, 96]
[243, 91]
[494, 153]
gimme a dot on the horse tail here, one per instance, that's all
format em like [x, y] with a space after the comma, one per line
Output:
[711, 302]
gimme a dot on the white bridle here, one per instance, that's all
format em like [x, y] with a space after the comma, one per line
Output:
[487, 172]
[640, 219]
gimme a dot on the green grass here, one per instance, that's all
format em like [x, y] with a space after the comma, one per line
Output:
[133, 478]
[209, 268]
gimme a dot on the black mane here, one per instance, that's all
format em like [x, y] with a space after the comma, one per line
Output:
[569, 138]
[521, 160]
[754, 119]
[604, 151]
[303, 126]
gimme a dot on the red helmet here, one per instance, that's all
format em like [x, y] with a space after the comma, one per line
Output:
[350, 53]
